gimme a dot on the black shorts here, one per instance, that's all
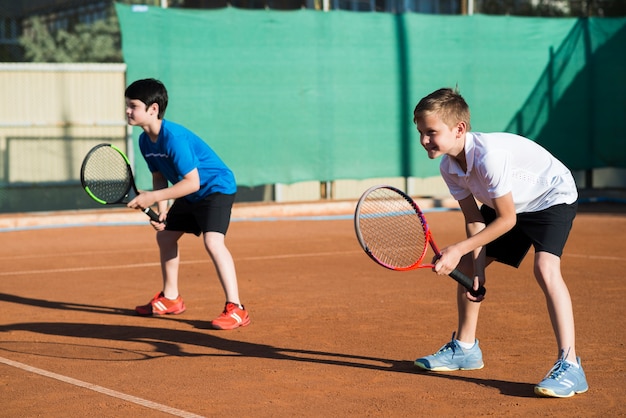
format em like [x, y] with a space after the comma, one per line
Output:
[212, 214]
[546, 230]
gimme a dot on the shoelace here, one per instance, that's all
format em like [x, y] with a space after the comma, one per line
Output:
[449, 346]
[560, 367]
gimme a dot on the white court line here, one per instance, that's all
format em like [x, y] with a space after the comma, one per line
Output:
[115, 394]
[75, 269]
[128, 266]
[596, 257]
[265, 257]
[74, 254]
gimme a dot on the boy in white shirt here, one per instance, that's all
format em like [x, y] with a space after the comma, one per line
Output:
[527, 197]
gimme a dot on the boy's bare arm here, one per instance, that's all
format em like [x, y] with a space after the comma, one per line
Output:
[474, 223]
[160, 182]
[189, 184]
[505, 220]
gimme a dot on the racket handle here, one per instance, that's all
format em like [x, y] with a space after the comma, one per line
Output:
[152, 214]
[467, 283]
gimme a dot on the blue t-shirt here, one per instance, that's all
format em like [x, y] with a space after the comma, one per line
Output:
[178, 151]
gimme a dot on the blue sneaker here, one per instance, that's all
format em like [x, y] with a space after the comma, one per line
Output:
[452, 357]
[563, 380]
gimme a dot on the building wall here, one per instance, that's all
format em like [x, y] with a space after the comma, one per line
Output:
[50, 116]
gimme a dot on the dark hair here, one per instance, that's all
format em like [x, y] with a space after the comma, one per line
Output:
[149, 90]
[447, 103]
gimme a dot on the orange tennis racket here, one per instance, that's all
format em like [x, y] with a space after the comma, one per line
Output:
[393, 231]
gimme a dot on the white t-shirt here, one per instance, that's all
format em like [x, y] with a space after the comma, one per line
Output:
[499, 163]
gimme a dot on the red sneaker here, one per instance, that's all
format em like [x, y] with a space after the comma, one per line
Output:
[160, 305]
[232, 317]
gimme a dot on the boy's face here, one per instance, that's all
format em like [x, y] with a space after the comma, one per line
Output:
[137, 114]
[438, 138]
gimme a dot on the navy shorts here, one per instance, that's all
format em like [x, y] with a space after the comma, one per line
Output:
[546, 230]
[212, 214]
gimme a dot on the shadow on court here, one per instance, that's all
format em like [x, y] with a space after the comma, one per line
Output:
[67, 306]
[330, 329]
[172, 342]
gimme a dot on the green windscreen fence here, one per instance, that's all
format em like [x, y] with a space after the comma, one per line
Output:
[577, 106]
[305, 95]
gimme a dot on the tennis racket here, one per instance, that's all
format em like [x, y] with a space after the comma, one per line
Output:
[107, 177]
[393, 231]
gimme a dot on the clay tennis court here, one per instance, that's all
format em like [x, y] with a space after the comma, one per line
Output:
[332, 333]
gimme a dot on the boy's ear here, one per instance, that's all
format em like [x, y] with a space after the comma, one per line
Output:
[154, 107]
[461, 129]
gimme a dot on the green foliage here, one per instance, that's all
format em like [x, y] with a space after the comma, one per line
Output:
[553, 8]
[97, 42]
[101, 40]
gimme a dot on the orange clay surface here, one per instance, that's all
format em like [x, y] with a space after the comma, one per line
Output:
[332, 333]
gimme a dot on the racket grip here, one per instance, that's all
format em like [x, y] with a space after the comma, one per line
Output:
[152, 214]
[467, 283]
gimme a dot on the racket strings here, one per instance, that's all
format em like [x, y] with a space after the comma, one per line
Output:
[107, 175]
[392, 229]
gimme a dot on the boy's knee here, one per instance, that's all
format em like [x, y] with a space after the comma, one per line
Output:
[214, 243]
[166, 238]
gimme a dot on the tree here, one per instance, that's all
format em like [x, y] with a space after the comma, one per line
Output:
[97, 42]
[553, 8]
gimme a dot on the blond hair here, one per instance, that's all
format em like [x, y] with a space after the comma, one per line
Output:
[448, 104]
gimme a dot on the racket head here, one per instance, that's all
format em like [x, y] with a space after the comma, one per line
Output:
[391, 228]
[105, 174]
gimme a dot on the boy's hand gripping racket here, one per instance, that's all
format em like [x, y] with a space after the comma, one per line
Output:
[393, 231]
[107, 177]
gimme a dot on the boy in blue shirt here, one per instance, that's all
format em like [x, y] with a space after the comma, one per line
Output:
[204, 191]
